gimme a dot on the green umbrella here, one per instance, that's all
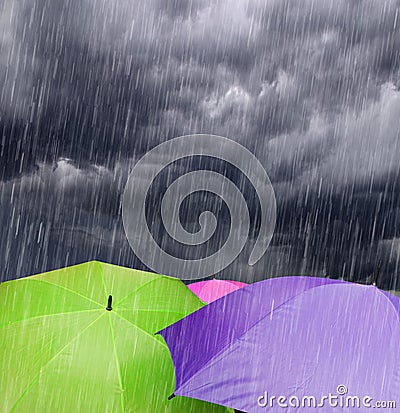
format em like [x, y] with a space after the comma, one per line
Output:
[81, 339]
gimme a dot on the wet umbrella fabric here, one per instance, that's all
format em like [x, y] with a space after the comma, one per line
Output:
[296, 337]
[211, 290]
[81, 339]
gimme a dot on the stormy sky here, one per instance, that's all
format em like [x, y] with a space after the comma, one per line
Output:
[311, 87]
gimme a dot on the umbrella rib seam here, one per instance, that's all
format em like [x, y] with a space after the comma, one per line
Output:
[118, 366]
[238, 338]
[141, 330]
[72, 292]
[47, 315]
[37, 375]
[391, 304]
[102, 277]
[137, 289]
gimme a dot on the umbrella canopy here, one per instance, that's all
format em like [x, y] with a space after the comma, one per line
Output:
[81, 339]
[299, 338]
[211, 290]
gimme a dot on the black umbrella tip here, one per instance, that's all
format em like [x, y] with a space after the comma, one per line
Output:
[171, 397]
[375, 279]
[109, 303]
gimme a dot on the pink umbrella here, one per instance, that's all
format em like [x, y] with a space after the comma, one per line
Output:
[209, 291]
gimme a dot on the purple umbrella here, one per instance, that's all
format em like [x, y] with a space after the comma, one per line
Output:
[292, 344]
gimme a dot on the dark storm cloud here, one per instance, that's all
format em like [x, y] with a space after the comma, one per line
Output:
[311, 87]
[60, 214]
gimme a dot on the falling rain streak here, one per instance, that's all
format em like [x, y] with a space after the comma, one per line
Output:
[310, 88]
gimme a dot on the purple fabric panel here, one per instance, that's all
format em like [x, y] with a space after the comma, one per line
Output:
[198, 338]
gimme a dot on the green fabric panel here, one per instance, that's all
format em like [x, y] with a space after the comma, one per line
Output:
[27, 346]
[85, 279]
[79, 375]
[120, 281]
[163, 294]
[30, 297]
[150, 321]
